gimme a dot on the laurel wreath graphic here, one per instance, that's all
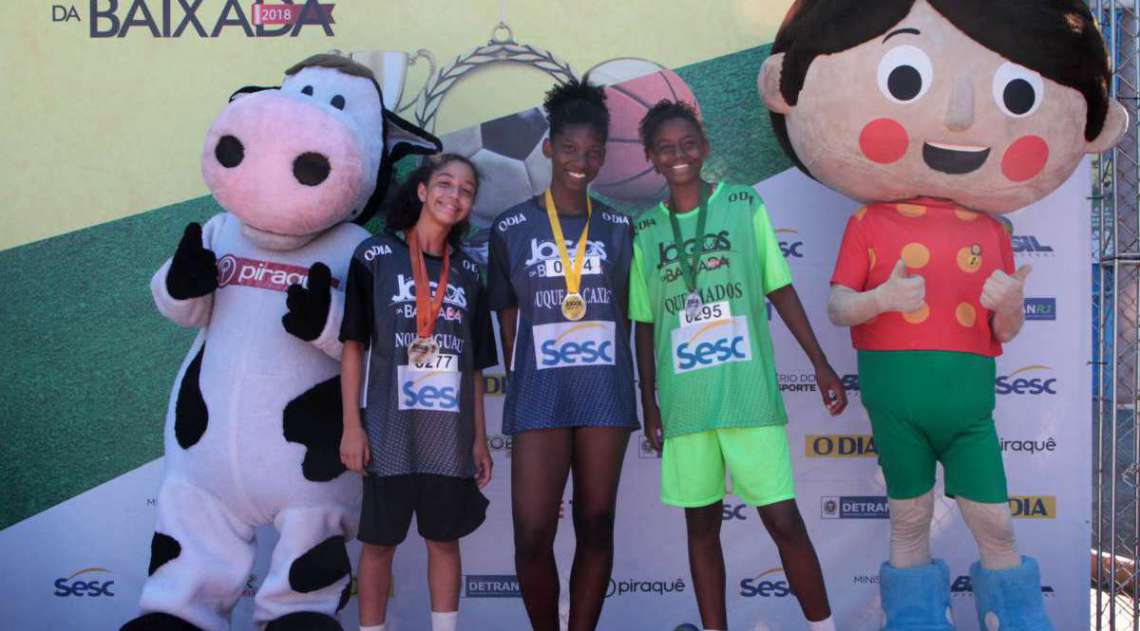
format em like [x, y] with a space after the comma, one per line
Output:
[501, 49]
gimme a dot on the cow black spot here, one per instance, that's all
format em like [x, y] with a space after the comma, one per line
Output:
[304, 621]
[323, 565]
[190, 413]
[314, 420]
[163, 548]
[345, 594]
[158, 621]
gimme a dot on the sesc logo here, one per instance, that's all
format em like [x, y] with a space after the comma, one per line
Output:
[89, 586]
[730, 512]
[769, 584]
[491, 586]
[1028, 381]
[840, 446]
[962, 586]
[708, 344]
[790, 247]
[1033, 506]
[1040, 309]
[432, 390]
[569, 344]
[855, 507]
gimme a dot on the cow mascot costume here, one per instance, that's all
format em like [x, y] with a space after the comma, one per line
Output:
[940, 116]
[253, 427]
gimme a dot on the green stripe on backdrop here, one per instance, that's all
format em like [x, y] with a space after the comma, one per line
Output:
[88, 363]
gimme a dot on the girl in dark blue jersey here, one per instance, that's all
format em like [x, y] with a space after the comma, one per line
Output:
[558, 278]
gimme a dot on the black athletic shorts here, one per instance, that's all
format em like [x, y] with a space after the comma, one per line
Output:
[446, 507]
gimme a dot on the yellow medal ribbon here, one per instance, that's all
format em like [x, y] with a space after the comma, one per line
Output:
[573, 306]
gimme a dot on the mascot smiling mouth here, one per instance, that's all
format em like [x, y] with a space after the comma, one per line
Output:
[954, 159]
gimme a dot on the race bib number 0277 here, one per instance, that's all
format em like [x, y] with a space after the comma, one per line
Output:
[711, 343]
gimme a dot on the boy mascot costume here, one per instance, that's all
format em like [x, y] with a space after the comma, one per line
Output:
[254, 422]
[939, 115]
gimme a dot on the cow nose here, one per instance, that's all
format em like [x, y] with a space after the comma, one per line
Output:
[229, 151]
[311, 169]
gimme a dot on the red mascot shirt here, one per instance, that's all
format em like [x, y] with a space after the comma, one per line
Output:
[954, 249]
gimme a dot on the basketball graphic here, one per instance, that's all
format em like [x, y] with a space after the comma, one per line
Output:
[632, 87]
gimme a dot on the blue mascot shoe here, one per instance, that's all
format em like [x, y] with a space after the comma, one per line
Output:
[1010, 600]
[916, 598]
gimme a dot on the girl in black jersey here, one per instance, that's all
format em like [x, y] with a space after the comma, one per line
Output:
[417, 334]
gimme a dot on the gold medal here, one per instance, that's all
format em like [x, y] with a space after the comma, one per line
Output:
[574, 306]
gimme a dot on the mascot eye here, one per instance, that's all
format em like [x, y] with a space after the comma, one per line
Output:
[1018, 90]
[905, 74]
[307, 90]
[337, 102]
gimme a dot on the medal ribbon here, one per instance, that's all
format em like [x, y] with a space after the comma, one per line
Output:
[690, 263]
[427, 305]
[571, 270]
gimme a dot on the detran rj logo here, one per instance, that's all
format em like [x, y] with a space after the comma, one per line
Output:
[769, 584]
[709, 344]
[1034, 380]
[91, 582]
[568, 344]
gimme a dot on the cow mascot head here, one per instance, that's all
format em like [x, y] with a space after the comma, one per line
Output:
[254, 420]
[939, 115]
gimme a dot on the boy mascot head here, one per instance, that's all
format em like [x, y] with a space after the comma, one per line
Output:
[952, 106]
[990, 104]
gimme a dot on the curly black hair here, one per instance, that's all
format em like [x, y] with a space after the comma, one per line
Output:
[404, 209]
[577, 103]
[666, 110]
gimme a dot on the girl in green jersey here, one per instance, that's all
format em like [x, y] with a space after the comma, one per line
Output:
[704, 261]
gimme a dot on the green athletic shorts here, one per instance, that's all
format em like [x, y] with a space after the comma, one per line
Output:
[693, 466]
[934, 406]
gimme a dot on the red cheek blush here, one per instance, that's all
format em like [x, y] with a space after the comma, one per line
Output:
[1025, 158]
[883, 140]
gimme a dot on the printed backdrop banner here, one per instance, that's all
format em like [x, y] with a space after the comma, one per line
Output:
[106, 177]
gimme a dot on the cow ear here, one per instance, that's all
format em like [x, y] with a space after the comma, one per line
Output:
[402, 138]
[249, 89]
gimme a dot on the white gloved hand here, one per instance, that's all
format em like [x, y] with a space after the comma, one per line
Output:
[901, 292]
[1003, 293]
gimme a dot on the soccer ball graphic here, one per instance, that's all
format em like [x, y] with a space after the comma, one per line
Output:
[508, 154]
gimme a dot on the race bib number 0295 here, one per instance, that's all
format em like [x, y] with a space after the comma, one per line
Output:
[711, 343]
[706, 313]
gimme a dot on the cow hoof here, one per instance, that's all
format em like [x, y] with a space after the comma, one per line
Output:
[158, 621]
[304, 621]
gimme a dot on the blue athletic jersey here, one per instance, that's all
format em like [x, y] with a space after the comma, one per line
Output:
[564, 373]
